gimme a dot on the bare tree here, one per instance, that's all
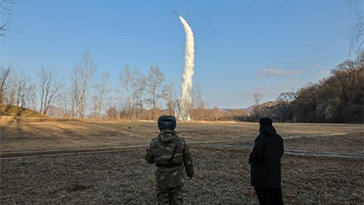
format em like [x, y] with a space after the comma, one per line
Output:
[257, 97]
[284, 107]
[31, 96]
[64, 102]
[256, 108]
[133, 89]
[138, 92]
[10, 89]
[198, 110]
[357, 39]
[111, 113]
[178, 109]
[49, 89]
[20, 90]
[154, 82]
[4, 79]
[101, 90]
[197, 100]
[75, 96]
[126, 82]
[82, 75]
[24, 92]
[169, 95]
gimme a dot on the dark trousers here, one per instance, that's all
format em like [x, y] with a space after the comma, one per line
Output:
[269, 196]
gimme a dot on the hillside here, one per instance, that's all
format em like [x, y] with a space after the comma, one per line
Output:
[264, 105]
[13, 110]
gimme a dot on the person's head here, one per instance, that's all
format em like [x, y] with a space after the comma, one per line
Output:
[265, 121]
[266, 126]
[167, 122]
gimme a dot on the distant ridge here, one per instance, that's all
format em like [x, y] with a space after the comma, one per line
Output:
[13, 110]
[261, 106]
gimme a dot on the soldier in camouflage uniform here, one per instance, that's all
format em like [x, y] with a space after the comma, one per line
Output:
[170, 153]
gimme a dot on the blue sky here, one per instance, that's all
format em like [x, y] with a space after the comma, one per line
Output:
[242, 47]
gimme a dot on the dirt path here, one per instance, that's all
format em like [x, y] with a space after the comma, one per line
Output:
[295, 152]
[316, 135]
[213, 144]
[91, 150]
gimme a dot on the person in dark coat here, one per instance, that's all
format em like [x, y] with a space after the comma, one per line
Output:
[265, 161]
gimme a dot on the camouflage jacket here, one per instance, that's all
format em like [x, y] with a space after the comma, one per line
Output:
[170, 152]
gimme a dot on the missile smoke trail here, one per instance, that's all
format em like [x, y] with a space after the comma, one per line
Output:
[186, 86]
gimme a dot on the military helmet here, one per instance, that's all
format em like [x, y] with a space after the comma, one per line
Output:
[167, 122]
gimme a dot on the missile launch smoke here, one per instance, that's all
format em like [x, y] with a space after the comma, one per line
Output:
[186, 86]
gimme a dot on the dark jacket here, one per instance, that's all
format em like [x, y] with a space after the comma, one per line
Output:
[265, 159]
[170, 153]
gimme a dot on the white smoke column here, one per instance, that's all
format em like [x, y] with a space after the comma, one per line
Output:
[186, 99]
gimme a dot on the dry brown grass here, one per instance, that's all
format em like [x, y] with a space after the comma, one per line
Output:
[12, 110]
[346, 143]
[95, 133]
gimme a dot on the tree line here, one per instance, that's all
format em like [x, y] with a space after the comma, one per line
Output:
[84, 95]
[337, 98]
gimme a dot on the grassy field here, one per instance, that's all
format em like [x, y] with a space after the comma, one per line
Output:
[222, 174]
[92, 133]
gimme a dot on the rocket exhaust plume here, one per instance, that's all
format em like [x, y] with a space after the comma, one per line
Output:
[186, 86]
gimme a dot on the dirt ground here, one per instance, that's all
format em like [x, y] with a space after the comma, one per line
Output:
[342, 143]
[222, 174]
[348, 143]
[222, 177]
